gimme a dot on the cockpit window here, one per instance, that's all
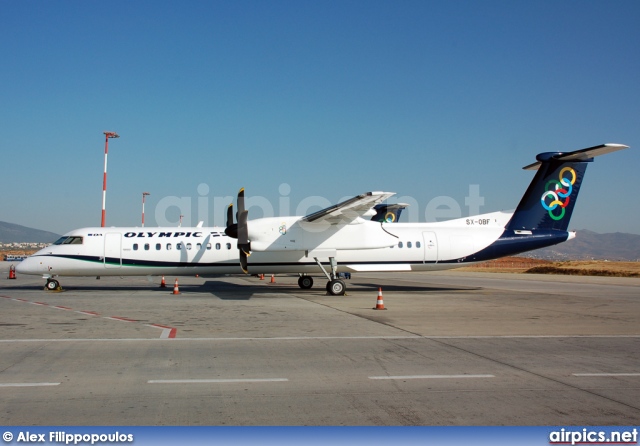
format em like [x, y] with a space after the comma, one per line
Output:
[60, 240]
[69, 240]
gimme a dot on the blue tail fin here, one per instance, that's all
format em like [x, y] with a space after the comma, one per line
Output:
[549, 201]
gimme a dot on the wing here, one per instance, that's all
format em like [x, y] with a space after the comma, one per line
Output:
[349, 210]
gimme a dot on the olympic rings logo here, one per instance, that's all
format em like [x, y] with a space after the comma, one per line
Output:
[283, 229]
[390, 217]
[556, 191]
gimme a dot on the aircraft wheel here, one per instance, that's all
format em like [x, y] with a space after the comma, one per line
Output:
[305, 282]
[52, 285]
[336, 287]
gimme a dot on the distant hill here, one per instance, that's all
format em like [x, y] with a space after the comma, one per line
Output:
[12, 233]
[589, 245]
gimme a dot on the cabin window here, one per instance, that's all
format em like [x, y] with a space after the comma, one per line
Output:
[228, 245]
[135, 246]
[158, 246]
[168, 246]
[146, 247]
[199, 246]
[409, 245]
[417, 244]
[178, 246]
[208, 245]
[217, 245]
[400, 245]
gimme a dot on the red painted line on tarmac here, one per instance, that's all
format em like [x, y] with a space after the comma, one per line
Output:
[172, 331]
[124, 319]
[90, 313]
[170, 335]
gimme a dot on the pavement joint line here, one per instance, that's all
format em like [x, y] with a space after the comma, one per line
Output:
[304, 338]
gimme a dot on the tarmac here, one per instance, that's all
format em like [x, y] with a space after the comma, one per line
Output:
[450, 348]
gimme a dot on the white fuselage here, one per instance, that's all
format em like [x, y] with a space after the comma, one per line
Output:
[282, 247]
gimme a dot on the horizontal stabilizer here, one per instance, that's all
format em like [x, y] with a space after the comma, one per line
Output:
[578, 155]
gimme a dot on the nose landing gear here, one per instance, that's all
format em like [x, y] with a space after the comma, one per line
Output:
[335, 286]
[52, 285]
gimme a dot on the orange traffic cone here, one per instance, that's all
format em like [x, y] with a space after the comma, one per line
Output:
[12, 272]
[162, 283]
[261, 276]
[379, 302]
[176, 290]
[273, 278]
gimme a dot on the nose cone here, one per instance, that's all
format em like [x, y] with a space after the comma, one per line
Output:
[28, 266]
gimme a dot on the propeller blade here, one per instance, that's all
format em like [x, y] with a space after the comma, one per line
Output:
[230, 215]
[244, 245]
[240, 230]
[232, 228]
[240, 201]
[243, 262]
[243, 233]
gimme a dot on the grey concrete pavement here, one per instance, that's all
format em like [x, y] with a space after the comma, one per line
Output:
[451, 349]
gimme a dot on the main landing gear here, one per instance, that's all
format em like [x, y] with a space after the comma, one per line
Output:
[335, 286]
[305, 282]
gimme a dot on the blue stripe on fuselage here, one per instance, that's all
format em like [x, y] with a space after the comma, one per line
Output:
[510, 243]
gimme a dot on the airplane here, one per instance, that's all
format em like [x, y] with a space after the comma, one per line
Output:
[340, 233]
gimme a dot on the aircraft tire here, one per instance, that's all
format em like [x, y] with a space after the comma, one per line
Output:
[52, 285]
[336, 287]
[305, 282]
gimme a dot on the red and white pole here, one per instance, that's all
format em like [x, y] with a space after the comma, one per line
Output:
[104, 179]
[144, 194]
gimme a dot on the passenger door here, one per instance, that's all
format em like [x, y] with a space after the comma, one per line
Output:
[430, 247]
[112, 250]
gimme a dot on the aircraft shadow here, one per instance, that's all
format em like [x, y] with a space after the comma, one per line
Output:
[410, 288]
[232, 291]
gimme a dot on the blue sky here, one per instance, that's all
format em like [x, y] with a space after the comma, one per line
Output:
[328, 98]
